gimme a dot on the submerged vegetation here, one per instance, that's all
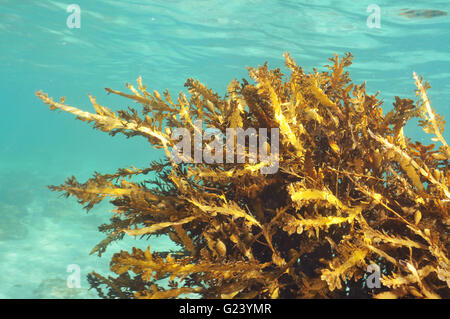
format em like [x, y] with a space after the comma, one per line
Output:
[422, 13]
[351, 190]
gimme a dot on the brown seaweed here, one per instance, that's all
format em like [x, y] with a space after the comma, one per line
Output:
[422, 13]
[351, 190]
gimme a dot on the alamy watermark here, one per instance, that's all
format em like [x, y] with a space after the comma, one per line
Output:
[223, 147]
[74, 19]
[374, 19]
[74, 279]
[373, 280]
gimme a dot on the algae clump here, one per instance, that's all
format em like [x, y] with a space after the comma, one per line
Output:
[352, 191]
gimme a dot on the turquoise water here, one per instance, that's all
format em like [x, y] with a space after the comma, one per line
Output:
[166, 42]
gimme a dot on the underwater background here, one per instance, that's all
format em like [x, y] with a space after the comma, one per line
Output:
[166, 42]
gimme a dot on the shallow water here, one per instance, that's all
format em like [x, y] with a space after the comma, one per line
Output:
[166, 42]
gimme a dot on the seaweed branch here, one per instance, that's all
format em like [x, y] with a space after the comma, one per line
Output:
[350, 190]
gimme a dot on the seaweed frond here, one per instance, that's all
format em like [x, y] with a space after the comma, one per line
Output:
[345, 189]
